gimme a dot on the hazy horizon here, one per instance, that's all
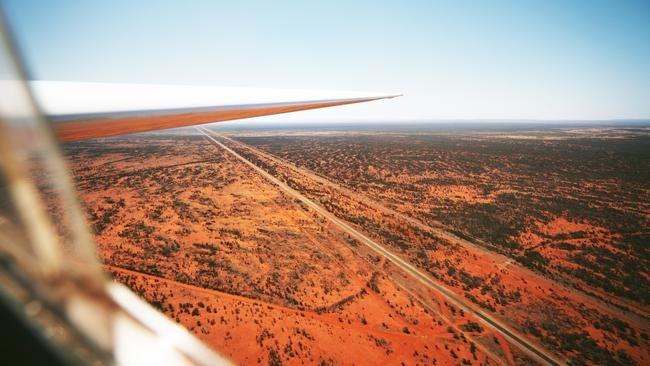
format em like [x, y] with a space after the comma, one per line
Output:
[261, 122]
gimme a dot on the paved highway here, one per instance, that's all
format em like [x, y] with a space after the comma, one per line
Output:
[531, 349]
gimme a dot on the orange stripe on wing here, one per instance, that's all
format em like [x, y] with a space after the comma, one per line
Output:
[110, 126]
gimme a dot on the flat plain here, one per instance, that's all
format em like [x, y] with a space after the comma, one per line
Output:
[533, 242]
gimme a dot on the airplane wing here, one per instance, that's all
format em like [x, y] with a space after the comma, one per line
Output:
[56, 305]
[82, 111]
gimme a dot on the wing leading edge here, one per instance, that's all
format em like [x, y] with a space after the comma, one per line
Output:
[82, 111]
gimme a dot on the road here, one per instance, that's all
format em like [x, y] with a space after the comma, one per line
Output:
[638, 315]
[533, 350]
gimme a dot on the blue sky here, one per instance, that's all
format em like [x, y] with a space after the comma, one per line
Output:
[524, 59]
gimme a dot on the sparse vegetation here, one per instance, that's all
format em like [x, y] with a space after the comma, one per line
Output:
[241, 255]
